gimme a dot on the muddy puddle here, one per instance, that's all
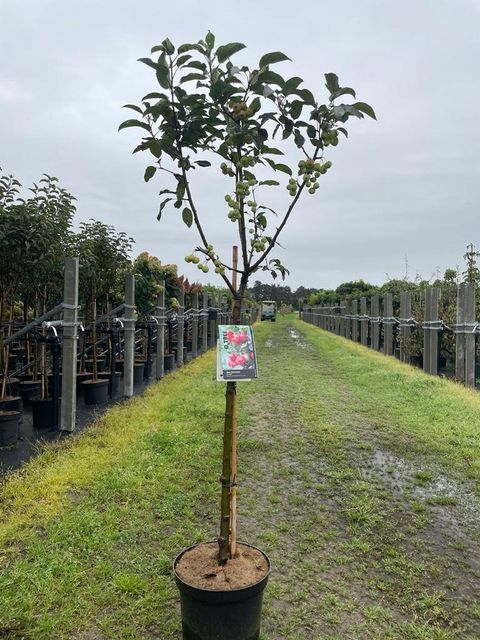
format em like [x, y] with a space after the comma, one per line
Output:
[456, 505]
[298, 339]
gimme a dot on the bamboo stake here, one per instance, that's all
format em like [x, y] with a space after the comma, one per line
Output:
[233, 480]
[225, 517]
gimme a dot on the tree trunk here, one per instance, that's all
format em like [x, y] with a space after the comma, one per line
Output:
[228, 521]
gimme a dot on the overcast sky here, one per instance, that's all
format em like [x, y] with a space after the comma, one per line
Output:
[403, 191]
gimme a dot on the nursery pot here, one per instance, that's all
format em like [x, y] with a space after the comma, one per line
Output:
[116, 382]
[42, 413]
[417, 361]
[11, 403]
[209, 614]
[95, 391]
[9, 425]
[149, 367]
[28, 389]
[168, 361]
[81, 378]
[138, 372]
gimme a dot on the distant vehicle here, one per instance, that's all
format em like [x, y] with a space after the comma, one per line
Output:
[269, 310]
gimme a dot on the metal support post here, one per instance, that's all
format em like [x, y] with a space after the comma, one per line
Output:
[129, 335]
[195, 326]
[69, 351]
[180, 327]
[160, 364]
[205, 322]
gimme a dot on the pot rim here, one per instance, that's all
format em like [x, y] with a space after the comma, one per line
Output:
[245, 544]
[99, 381]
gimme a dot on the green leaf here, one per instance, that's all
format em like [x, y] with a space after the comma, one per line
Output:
[256, 105]
[292, 84]
[366, 109]
[203, 163]
[299, 139]
[134, 123]
[271, 77]
[283, 167]
[273, 151]
[162, 206]
[192, 76]
[226, 51]
[343, 92]
[210, 40]
[154, 95]
[331, 82]
[196, 64]
[272, 58]
[187, 217]
[306, 96]
[344, 131]
[261, 220]
[269, 183]
[134, 107]
[182, 59]
[183, 48]
[168, 46]
[149, 173]
[148, 62]
[180, 191]
[163, 72]
[217, 89]
[296, 109]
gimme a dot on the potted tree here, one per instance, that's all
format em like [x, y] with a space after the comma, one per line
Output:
[208, 112]
[103, 261]
[23, 241]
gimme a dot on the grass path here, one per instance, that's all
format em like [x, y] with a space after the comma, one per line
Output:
[358, 475]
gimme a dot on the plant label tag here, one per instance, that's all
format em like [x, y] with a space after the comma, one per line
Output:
[236, 355]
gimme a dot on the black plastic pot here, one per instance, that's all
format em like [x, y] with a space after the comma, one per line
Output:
[81, 378]
[95, 391]
[28, 389]
[138, 372]
[43, 415]
[9, 426]
[149, 367]
[116, 382]
[168, 361]
[417, 361]
[11, 403]
[209, 614]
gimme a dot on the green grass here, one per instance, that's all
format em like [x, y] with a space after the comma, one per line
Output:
[89, 528]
